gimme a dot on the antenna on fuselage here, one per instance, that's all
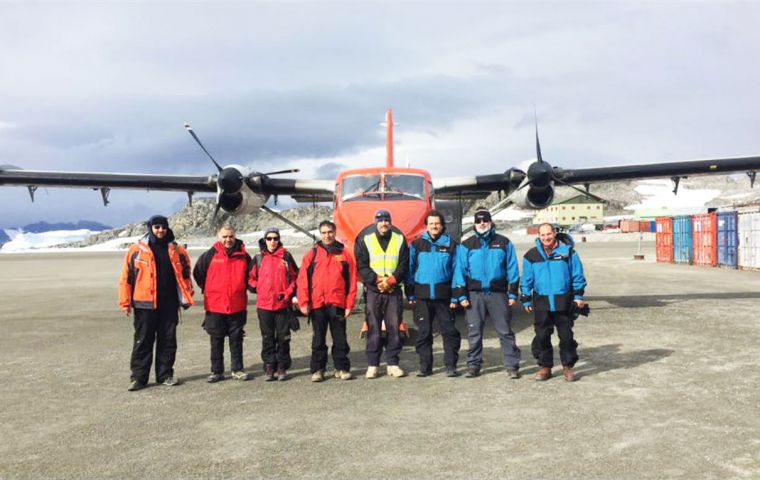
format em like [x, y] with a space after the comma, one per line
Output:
[388, 124]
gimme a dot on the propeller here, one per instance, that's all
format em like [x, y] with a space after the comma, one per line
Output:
[198, 140]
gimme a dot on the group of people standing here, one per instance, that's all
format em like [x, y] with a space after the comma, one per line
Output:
[438, 275]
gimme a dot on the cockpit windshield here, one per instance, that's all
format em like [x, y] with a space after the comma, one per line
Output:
[376, 187]
[360, 186]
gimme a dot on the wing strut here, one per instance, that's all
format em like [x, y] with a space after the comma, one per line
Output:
[104, 191]
[289, 222]
[32, 189]
[751, 175]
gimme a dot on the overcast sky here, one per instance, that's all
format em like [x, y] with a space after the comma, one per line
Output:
[274, 85]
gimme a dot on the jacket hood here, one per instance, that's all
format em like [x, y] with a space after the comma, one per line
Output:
[443, 238]
[279, 251]
[237, 247]
[488, 235]
[334, 248]
[563, 240]
[152, 239]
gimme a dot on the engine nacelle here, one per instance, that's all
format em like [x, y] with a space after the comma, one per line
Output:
[234, 193]
[534, 196]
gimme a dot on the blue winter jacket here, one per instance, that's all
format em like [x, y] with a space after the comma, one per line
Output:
[487, 263]
[552, 282]
[431, 268]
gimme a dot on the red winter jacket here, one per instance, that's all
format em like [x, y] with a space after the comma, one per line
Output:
[222, 277]
[333, 280]
[273, 277]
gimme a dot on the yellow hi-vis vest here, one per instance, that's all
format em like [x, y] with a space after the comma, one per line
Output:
[383, 263]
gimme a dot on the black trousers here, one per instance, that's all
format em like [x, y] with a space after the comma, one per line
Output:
[384, 307]
[218, 326]
[425, 313]
[275, 338]
[155, 326]
[543, 325]
[333, 318]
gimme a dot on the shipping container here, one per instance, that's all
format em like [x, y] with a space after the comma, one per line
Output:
[728, 239]
[532, 230]
[682, 239]
[652, 226]
[749, 240]
[664, 239]
[705, 237]
[628, 226]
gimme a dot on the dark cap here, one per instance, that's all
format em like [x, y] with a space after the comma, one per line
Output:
[158, 220]
[382, 215]
[482, 213]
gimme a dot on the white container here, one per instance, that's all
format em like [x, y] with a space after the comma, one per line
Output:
[749, 240]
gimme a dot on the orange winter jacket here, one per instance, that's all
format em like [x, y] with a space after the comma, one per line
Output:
[137, 284]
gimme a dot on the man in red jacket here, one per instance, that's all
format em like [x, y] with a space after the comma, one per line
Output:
[273, 278]
[222, 272]
[327, 293]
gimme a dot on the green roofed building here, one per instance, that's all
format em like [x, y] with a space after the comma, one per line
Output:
[578, 209]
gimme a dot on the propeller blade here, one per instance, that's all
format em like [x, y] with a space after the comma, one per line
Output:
[198, 140]
[278, 172]
[216, 212]
[538, 145]
[584, 192]
[289, 222]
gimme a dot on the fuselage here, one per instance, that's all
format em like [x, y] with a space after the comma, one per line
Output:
[359, 193]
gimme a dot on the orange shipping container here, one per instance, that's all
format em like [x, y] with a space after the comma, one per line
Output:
[664, 239]
[705, 234]
[628, 226]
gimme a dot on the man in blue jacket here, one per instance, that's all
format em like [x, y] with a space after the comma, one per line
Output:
[553, 285]
[428, 288]
[487, 269]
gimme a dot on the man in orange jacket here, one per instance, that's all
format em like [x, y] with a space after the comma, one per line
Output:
[155, 282]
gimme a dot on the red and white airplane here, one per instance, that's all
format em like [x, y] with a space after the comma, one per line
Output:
[407, 193]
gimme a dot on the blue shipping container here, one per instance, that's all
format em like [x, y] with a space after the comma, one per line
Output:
[683, 245]
[653, 226]
[728, 239]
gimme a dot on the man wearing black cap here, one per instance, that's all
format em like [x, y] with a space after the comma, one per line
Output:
[155, 282]
[382, 260]
[487, 268]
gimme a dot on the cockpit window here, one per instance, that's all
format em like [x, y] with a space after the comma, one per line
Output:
[360, 186]
[390, 187]
[409, 186]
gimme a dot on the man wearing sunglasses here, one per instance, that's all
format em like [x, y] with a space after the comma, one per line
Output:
[222, 274]
[382, 259]
[273, 278]
[155, 282]
[487, 268]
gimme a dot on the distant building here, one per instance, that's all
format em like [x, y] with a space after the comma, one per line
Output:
[579, 209]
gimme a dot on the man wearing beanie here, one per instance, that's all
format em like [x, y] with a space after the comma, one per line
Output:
[382, 260]
[487, 268]
[222, 274]
[155, 282]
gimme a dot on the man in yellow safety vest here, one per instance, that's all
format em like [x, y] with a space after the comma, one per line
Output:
[382, 260]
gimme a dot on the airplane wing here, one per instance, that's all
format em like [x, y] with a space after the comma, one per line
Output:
[659, 170]
[535, 188]
[239, 182]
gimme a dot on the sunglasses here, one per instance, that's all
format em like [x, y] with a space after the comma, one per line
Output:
[272, 239]
[482, 220]
[159, 227]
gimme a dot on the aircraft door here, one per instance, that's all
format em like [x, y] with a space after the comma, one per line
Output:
[452, 213]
